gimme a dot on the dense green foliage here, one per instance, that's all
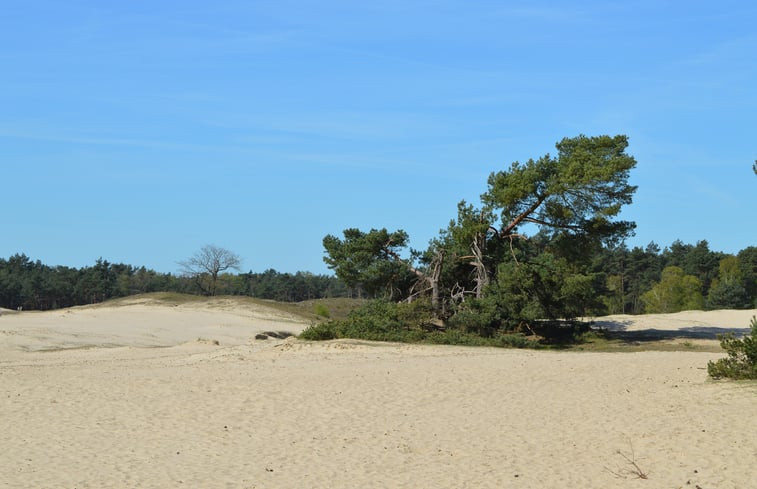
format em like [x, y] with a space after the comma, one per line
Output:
[728, 290]
[284, 287]
[574, 195]
[674, 292]
[634, 278]
[367, 261]
[381, 320]
[741, 362]
[33, 285]
[545, 245]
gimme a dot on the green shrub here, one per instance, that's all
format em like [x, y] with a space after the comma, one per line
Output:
[514, 341]
[321, 310]
[561, 332]
[479, 316]
[462, 338]
[741, 362]
[387, 321]
[407, 323]
[320, 332]
[376, 321]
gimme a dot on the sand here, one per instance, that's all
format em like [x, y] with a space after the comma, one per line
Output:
[158, 408]
[705, 322]
[141, 322]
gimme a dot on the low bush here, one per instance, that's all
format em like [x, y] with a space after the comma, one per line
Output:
[741, 362]
[376, 321]
[477, 316]
[407, 323]
[561, 332]
[320, 332]
[458, 337]
[321, 310]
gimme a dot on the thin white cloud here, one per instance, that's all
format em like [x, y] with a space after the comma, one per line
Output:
[736, 53]
[49, 135]
[544, 13]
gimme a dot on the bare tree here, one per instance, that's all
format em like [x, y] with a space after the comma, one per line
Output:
[206, 264]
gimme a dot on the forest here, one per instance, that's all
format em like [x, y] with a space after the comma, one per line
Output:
[31, 284]
[632, 281]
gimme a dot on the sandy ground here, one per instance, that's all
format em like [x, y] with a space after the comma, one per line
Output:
[348, 414]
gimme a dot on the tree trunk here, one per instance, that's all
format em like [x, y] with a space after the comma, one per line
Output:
[434, 281]
[482, 276]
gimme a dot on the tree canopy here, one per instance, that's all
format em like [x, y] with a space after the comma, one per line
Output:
[371, 261]
[579, 191]
[675, 292]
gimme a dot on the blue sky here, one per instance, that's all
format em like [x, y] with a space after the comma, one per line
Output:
[140, 131]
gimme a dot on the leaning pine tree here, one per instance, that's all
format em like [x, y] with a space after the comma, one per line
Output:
[554, 214]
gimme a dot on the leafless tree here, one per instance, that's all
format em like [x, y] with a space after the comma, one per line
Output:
[206, 264]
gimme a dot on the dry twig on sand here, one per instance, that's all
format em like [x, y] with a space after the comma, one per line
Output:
[635, 470]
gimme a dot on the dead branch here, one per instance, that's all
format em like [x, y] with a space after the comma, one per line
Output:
[635, 470]
[512, 251]
[457, 293]
[482, 276]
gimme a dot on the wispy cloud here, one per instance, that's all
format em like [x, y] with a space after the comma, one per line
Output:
[712, 193]
[733, 54]
[544, 13]
[354, 125]
[61, 136]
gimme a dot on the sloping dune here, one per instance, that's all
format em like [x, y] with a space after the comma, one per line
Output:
[143, 322]
[348, 414]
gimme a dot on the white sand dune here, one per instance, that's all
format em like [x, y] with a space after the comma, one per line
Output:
[141, 322]
[348, 414]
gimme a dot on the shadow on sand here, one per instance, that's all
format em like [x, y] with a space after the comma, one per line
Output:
[619, 329]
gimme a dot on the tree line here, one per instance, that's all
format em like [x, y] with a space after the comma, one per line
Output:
[30, 284]
[676, 278]
[631, 281]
